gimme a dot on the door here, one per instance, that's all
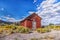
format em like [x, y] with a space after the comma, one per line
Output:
[33, 25]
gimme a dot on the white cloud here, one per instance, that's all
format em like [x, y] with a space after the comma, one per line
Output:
[0, 18]
[49, 10]
[1, 9]
[35, 1]
[10, 19]
[30, 12]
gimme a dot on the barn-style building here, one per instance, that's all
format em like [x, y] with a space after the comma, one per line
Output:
[33, 21]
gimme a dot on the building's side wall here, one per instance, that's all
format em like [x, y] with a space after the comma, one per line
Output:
[29, 24]
[38, 23]
[24, 23]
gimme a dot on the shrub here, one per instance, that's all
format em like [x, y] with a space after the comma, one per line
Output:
[34, 39]
[13, 29]
[16, 38]
[1, 30]
[51, 27]
[43, 30]
[54, 27]
[7, 32]
[22, 29]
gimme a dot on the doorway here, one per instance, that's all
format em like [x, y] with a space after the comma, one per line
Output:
[33, 25]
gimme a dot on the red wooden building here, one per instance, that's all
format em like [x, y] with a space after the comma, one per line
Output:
[33, 21]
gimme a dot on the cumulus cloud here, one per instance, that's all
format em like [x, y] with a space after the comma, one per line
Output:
[10, 19]
[35, 1]
[49, 10]
[0, 18]
[1, 9]
[30, 12]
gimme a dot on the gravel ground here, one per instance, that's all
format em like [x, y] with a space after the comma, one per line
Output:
[18, 36]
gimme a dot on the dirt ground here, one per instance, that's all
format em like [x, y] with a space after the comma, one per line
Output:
[19, 36]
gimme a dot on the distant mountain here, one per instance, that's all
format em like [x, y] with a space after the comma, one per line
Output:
[1, 21]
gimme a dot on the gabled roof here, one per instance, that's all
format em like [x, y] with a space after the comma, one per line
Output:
[30, 16]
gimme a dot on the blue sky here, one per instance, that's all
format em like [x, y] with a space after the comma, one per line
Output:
[15, 10]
